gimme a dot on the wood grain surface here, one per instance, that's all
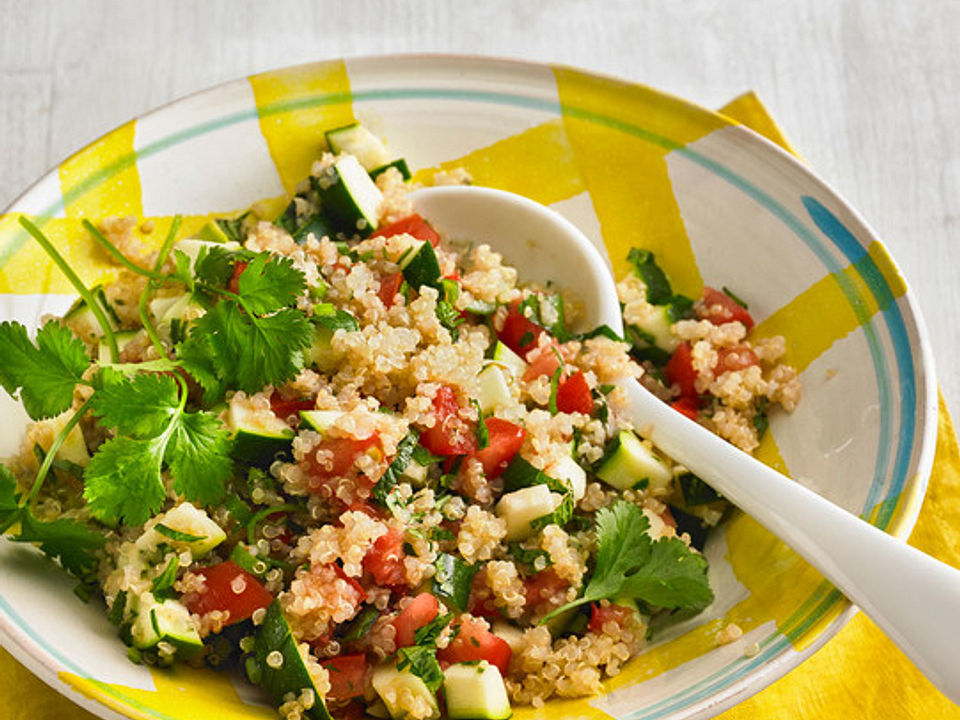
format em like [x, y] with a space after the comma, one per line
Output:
[869, 91]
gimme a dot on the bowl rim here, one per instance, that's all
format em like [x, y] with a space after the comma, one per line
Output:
[38, 660]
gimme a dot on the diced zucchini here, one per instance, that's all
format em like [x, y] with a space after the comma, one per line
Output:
[493, 390]
[415, 473]
[186, 527]
[350, 198]
[183, 309]
[83, 322]
[356, 140]
[167, 621]
[567, 471]
[321, 354]
[655, 322]
[275, 642]
[258, 439]
[510, 634]
[518, 509]
[400, 164]
[393, 686]
[123, 338]
[475, 690]
[504, 356]
[317, 225]
[74, 447]
[319, 420]
[211, 232]
[191, 246]
[420, 266]
[630, 461]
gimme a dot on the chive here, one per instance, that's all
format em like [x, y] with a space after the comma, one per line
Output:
[176, 535]
[729, 293]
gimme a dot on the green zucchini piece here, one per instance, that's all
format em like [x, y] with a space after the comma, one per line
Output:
[421, 267]
[167, 621]
[391, 683]
[452, 580]
[475, 691]
[275, 640]
[82, 321]
[628, 461]
[350, 198]
[354, 139]
[400, 164]
[258, 440]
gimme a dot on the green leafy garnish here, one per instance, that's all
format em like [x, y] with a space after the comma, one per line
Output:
[645, 267]
[123, 479]
[481, 431]
[421, 661]
[429, 633]
[176, 535]
[729, 293]
[163, 583]
[45, 374]
[391, 475]
[663, 573]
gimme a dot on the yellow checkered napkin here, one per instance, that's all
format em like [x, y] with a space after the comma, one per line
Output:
[859, 674]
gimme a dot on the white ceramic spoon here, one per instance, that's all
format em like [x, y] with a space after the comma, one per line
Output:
[914, 598]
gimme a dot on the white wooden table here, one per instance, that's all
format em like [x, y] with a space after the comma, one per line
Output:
[869, 91]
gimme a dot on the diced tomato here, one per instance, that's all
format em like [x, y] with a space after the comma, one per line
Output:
[412, 225]
[600, 615]
[679, 370]
[686, 406]
[449, 435]
[475, 642]
[228, 588]
[349, 676]
[384, 561]
[546, 362]
[738, 357]
[480, 603]
[506, 438]
[518, 333]
[543, 587]
[573, 395]
[389, 287]
[238, 268]
[420, 611]
[286, 409]
[338, 457]
[720, 308]
[352, 582]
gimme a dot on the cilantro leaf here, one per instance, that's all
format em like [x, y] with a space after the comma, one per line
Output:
[123, 480]
[214, 266]
[199, 457]
[673, 577]
[70, 542]
[9, 505]
[422, 662]
[162, 584]
[45, 373]
[665, 573]
[245, 351]
[197, 358]
[141, 406]
[268, 284]
[429, 634]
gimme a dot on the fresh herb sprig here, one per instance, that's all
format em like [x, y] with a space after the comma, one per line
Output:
[663, 573]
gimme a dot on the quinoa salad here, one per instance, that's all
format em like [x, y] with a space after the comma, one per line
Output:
[367, 467]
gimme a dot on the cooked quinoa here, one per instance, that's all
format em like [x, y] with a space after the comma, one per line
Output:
[430, 472]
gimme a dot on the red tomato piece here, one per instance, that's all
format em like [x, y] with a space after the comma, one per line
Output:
[389, 287]
[600, 615]
[738, 357]
[720, 308]
[506, 438]
[518, 333]
[420, 611]
[384, 561]
[349, 676]
[545, 363]
[412, 225]
[573, 395]
[476, 642]
[286, 409]
[449, 435]
[238, 268]
[337, 459]
[229, 588]
[686, 406]
[679, 370]
[543, 587]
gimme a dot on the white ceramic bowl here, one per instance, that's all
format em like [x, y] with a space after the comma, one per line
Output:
[628, 165]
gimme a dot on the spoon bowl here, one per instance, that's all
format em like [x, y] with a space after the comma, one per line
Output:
[913, 597]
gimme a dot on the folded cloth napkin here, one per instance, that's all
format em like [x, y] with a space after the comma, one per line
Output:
[858, 674]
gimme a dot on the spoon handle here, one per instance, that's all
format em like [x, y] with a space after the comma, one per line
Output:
[912, 597]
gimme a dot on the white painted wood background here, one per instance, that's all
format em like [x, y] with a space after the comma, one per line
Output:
[868, 91]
